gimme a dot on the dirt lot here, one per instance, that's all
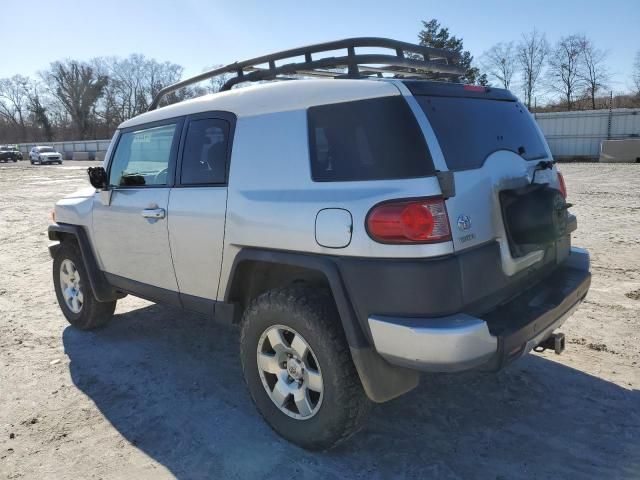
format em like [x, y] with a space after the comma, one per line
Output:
[159, 393]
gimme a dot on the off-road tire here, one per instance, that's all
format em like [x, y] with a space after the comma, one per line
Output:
[93, 314]
[312, 313]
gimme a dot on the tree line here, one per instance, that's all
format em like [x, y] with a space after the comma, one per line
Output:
[75, 99]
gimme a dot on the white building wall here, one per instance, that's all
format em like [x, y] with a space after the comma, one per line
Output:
[579, 134]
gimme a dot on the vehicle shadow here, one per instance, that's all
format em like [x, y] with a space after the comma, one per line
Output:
[171, 384]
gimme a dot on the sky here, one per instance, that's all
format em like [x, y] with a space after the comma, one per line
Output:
[201, 33]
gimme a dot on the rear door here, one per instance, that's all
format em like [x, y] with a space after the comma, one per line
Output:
[490, 142]
[130, 231]
[198, 204]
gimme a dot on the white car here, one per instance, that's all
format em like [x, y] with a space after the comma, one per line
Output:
[45, 155]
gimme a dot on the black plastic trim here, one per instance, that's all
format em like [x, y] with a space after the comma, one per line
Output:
[450, 89]
[100, 286]
[323, 264]
[142, 290]
[533, 312]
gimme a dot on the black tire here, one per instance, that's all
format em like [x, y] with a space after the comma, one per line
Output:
[93, 314]
[312, 313]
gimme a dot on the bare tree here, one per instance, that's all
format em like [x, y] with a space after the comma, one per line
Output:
[500, 62]
[39, 111]
[14, 101]
[133, 82]
[565, 65]
[594, 71]
[78, 87]
[532, 52]
[636, 73]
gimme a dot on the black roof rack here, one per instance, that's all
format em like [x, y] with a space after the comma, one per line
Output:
[407, 61]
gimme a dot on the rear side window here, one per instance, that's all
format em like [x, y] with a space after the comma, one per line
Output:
[204, 160]
[471, 129]
[373, 139]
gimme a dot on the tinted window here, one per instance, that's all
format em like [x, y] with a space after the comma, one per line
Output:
[471, 129]
[376, 139]
[46, 150]
[205, 152]
[142, 157]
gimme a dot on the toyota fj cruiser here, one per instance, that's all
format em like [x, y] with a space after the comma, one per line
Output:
[358, 230]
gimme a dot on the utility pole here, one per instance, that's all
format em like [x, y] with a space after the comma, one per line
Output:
[610, 115]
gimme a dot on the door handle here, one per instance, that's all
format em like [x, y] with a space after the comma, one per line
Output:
[153, 213]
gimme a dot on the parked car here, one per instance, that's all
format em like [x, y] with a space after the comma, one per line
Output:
[42, 155]
[358, 230]
[9, 153]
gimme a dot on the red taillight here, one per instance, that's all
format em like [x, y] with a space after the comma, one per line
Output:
[475, 88]
[563, 186]
[409, 221]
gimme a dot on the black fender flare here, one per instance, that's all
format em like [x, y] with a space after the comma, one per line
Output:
[100, 287]
[380, 380]
[353, 331]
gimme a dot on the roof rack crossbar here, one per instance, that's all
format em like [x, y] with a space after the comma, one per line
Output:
[435, 63]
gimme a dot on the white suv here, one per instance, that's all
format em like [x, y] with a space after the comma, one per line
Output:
[358, 230]
[44, 155]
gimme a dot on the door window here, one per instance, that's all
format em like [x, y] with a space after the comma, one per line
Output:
[204, 160]
[142, 157]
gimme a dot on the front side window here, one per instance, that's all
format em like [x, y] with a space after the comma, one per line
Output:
[373, 139]
[204, 160]
[142, 157]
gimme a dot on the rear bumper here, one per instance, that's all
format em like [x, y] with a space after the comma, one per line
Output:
[461, 341]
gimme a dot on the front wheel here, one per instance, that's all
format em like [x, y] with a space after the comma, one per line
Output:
[75, 297]
[298, 368]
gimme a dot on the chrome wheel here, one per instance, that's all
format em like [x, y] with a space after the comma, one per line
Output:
[71, 286]
[290, 372]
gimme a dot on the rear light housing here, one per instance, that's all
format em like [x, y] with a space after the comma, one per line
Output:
[422, 220]
[475, 88]
[563, 186]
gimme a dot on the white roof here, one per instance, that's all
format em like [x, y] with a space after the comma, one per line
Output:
[273, 97]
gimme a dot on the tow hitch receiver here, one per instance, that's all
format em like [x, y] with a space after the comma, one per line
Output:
[553, 342]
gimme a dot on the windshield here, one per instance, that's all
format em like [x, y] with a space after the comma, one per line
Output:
[46, 150]
[471, 129]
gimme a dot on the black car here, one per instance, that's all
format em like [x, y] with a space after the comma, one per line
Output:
[9, 153]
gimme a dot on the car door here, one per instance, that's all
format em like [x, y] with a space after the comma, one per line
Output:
[130, 230]
[198, 207]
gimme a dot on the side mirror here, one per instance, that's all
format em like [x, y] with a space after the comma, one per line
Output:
[98, 178]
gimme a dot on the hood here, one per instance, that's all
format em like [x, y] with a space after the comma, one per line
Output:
[85, 192]
[49, 154]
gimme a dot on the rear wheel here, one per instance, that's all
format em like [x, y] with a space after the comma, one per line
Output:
[75, 297]
[298, 368]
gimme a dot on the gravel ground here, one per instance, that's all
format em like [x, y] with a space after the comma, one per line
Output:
[159, 392]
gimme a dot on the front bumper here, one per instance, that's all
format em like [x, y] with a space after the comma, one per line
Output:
[461, 341]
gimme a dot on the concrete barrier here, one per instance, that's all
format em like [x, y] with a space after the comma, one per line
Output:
[80, 156]
[100, 155]
[620, 151]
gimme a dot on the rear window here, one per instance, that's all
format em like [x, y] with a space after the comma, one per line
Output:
[471, 129]
[373, 139]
